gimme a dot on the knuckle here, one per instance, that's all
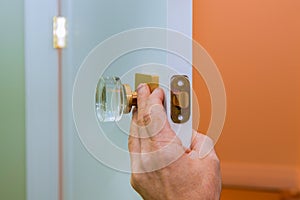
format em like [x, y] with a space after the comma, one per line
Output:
[146, 119]
[159, 90]
[135, 180]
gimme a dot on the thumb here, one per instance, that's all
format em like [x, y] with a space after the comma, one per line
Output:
[202, 144]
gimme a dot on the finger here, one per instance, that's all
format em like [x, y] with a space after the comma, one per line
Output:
[147, 106]
[197, 140]
[143, 93]
[202, 144]
[156, 107]
[156, 118]
[134, 145]
[157, 96]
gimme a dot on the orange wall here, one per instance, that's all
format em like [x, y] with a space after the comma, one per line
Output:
[256, 45]
[238, 194]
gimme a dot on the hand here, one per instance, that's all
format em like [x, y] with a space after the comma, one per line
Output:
[162, 168]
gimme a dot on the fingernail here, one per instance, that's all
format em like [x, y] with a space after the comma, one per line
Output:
[141, 88]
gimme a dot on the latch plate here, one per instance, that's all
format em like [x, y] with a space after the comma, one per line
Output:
[180, 99]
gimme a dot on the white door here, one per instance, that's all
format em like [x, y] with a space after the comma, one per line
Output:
[90, 23]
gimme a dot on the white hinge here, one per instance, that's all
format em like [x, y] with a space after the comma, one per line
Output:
[59, 32]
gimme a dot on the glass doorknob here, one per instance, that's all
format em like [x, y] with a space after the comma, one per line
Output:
[113, 99]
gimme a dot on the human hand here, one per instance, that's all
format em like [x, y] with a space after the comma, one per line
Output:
[162, 168]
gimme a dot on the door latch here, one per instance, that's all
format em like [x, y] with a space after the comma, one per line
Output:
[180, 99]
[113, 99]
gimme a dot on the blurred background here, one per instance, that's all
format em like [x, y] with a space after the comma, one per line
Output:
[12, 103]
[255, 44]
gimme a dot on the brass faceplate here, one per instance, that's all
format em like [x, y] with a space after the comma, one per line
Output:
[131, 96]
[151, 80]
[180, 99]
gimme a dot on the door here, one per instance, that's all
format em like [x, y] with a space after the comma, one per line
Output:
[104, 173]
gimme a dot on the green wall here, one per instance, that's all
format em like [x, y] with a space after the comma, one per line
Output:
[12, 101]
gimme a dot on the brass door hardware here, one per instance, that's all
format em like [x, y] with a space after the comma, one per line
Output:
[152, 81]
[114, 98]
[59, 32]
[131, 96]
[180, 99]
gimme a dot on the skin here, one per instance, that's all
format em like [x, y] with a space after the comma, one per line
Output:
[162, 168]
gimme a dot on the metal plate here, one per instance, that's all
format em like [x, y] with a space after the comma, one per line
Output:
[180, 99]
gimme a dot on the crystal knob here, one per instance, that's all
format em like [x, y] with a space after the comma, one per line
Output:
[113, 99]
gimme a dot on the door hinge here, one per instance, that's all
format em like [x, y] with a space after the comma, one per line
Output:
[59, 32]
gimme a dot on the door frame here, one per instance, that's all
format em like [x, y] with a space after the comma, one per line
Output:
[41, 90]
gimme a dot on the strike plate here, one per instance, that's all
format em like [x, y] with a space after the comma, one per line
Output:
[180, 99]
